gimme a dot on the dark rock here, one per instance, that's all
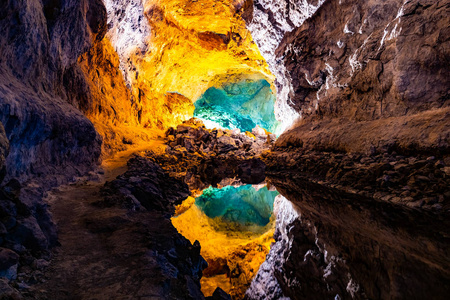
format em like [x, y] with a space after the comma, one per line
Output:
[333, 248]
[155, 190]
[219, 294]
[7, 292]
[47, 134]
[4, 149]
[28, 233]
[252, 171]
[358, 80]
[371, 176]
[8, 263]
[226, 144]
[8, 258]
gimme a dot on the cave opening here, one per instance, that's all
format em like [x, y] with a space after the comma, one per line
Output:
[242, 105]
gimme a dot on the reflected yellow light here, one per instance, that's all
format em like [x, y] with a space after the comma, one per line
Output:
[233, 256]
[193, 45]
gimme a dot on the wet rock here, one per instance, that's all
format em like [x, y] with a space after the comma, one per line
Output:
[202, 157]
[329, 248]
[382, 176]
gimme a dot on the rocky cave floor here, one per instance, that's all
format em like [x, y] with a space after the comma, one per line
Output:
[115, 236]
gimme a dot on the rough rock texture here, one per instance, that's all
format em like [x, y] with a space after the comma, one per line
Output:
[165, 50]
[105, 99]
[4, 149]
[27, 231]
[334, 245]
[145, 184]
[40, 44]
[204, 157]
[128, 31]
[50, 140]
[118, 240]
[269, 21]
[378, 69]
[411, 180]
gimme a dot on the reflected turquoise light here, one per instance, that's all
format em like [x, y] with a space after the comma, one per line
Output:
[243, 205]
[242, 105]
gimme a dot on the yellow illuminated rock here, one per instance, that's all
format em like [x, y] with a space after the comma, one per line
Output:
[193, 45]
[113, 113]
[233, 256]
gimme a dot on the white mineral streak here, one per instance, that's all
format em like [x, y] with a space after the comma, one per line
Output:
[394, 32]
[265, 285]
[287, 16]
[352, 286]
[348, 31]
[128, 30]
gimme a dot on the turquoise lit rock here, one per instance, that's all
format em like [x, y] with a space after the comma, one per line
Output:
[242, 105]
[243, 205]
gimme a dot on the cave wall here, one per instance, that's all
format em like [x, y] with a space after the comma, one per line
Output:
[379, 66]
[171, 52]
[4, 149]
[335, 245]
[40, 44]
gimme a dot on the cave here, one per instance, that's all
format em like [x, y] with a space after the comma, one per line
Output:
[241, 105]
[224, 149]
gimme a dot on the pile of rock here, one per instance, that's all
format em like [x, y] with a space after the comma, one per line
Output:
[193, 137]
[149, 194]
[415, 181]
[202, 156]
[145, 185]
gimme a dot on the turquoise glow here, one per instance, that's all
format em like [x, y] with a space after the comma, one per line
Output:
[243, 205]
[242, 105]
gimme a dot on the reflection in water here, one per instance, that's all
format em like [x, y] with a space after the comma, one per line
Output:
[243, 205]
[234, 226]
[344, 246]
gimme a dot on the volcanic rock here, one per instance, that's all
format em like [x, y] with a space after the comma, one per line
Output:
[370, 78]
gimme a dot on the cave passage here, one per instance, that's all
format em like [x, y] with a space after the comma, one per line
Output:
[235, 226]
[242, 104]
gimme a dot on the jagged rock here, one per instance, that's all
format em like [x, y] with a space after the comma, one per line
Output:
[47, 134]
[326, 247]
[147, 183]
[357, 80]
[226, 144]
[389, 177]
[202, 156]
[178, 262]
